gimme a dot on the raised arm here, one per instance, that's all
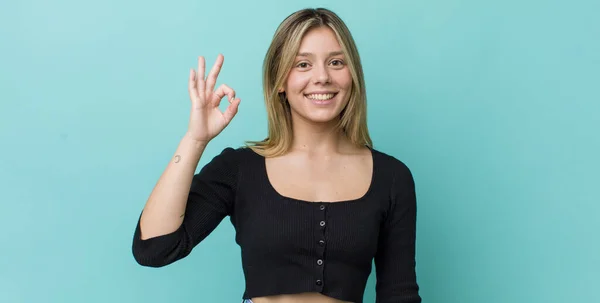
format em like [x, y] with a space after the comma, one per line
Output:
[183, 208]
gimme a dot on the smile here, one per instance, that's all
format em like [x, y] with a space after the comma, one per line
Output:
[321, 97]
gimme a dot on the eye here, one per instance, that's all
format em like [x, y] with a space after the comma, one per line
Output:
[337, 62]
[302, 65]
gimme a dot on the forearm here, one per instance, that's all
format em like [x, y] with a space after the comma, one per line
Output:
[164, 210]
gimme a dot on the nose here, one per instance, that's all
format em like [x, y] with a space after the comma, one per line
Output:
[321, 75]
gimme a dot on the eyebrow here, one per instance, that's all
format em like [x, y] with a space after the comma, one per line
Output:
[306, 54]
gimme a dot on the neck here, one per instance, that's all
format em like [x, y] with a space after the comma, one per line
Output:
[320, 138]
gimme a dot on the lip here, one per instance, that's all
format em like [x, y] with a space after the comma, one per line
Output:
[321, 92]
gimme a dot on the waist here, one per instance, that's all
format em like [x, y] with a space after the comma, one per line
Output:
[309, 297]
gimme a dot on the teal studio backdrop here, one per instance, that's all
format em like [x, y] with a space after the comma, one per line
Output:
[493, 105]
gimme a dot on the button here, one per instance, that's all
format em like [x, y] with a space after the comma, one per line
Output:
[320, 262]
[319, 282]
[322, 223]
[322, 207]
[321, 242]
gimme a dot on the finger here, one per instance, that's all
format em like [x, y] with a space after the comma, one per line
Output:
[192, 85]
[231, 110]
[200, 83]
[221, 92]
[211, 80]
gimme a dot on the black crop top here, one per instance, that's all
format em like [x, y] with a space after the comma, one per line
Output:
[293, 246]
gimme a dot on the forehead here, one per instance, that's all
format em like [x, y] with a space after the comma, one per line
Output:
[319, 40]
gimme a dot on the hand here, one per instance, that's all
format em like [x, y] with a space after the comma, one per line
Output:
[206, 119]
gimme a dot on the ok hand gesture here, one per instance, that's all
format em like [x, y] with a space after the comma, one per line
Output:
[206, 119]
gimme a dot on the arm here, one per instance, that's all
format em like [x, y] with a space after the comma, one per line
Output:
[395, 258]
[168, 231]
[163, 212]
[182, 208]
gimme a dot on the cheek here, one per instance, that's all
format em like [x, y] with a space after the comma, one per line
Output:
[296, 82]
[345, 80]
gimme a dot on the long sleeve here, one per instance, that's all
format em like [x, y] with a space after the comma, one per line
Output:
[210, 199]
[395, 258]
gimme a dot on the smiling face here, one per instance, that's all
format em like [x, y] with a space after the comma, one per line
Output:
[319, 83]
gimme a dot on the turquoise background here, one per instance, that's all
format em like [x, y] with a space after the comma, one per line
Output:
[493, 105]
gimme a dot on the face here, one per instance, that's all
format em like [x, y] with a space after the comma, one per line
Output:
[318, 86]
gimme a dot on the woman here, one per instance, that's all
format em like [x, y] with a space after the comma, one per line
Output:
[313, 204]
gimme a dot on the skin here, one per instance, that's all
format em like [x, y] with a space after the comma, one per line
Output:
[322, 164]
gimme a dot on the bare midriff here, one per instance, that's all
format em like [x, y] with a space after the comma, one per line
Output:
[312, 297]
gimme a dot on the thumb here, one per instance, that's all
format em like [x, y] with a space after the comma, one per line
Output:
[231, 110]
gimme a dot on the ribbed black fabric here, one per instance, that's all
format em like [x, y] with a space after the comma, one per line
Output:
[292, 246]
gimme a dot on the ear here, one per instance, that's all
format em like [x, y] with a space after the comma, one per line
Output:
[281, 90]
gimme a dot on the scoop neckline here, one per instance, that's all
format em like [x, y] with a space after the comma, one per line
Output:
[274, 191]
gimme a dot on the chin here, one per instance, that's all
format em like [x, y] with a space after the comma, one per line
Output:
[320, 117]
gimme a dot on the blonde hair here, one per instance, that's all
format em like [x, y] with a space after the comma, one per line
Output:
[277, 65]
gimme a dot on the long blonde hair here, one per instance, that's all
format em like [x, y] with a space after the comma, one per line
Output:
[277, 65]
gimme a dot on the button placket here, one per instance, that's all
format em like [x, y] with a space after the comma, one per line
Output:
[321, 246]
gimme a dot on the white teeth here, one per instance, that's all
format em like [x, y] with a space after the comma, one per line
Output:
[320, 96]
